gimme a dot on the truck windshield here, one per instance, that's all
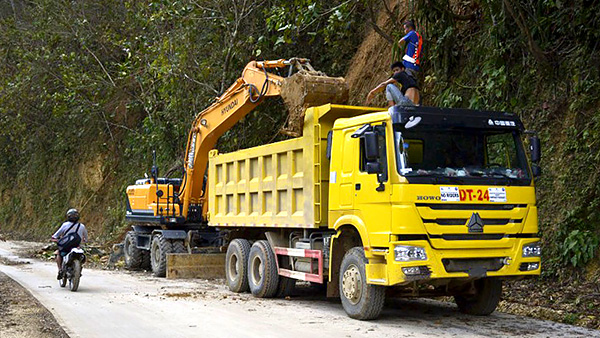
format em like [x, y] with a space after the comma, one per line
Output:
[462, 156]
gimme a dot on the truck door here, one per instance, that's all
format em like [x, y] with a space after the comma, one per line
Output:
[372, 191]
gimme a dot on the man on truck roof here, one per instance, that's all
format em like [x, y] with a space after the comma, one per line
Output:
[408, 95]
[412, 57]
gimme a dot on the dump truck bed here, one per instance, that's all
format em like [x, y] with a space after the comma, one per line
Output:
[283, 184]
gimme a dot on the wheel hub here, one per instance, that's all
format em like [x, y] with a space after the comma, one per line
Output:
[352, 284]
[233, 267]
[257, 270]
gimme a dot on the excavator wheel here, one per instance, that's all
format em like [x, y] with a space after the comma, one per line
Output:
[134, 256]
[158, 255]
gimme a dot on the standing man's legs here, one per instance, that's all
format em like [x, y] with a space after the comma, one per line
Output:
[413, 73]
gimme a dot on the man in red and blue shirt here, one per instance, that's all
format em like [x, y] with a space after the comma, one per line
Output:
[412, 57]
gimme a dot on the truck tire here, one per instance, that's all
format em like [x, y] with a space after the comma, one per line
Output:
[158, 255]
[133, 256]
[286, 287]
[262, 270]
[360, 300]
[485, 299]
[236, 265]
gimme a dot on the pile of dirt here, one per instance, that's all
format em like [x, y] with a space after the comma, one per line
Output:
[309, 89]
[21, 315]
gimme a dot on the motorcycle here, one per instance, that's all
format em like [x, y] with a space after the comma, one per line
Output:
[71, 269]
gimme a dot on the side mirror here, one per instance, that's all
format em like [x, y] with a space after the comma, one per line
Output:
[536, 170]
[373, 168]
[371, 146]
[535, 149]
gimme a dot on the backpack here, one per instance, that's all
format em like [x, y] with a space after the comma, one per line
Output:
[70, 240]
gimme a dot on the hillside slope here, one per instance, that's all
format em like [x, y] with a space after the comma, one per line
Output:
[88, 90]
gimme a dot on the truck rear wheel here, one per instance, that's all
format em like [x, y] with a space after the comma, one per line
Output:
[236, 265]
[484, 301]
[158, 255]
[134, 257]
[359, 299]
[262, 270]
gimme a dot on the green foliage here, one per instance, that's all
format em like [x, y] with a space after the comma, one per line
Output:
[541, 61]
[89, 88]
[579, 247]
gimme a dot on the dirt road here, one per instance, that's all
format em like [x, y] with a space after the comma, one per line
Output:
[121, 304]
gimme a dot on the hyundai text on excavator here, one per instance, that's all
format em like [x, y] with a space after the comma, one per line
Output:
[168, 215]
[420, 201]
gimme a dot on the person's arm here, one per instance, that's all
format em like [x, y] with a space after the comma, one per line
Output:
[58, 233]
[378, 89]
[85, 235]
[404, 38]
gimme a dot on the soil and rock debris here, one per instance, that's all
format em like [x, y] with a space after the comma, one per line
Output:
[21, 315]
[118, 298]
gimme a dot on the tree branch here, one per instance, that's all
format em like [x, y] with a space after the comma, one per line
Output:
[535, 50]
[372, 21]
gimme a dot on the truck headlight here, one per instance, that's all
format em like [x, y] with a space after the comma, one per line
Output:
[532, 250]
[405, 253]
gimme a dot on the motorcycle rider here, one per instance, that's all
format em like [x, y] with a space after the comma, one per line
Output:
[71, 225]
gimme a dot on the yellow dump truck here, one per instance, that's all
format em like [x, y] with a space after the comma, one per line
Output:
[429, 201]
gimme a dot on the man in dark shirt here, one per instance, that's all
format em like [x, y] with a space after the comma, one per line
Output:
[407, 95]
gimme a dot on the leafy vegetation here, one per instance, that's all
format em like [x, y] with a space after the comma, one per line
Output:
[538, 59]
[88, 89]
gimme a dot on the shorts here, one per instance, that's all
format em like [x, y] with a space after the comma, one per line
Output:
[62, 253]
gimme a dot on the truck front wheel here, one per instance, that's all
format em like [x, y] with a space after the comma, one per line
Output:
[359, 299]
[263, 278]
[483, 299]
[236, 265]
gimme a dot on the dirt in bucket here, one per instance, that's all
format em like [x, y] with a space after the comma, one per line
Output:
[303, 90]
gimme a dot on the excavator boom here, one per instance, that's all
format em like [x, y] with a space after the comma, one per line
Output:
[301, 88]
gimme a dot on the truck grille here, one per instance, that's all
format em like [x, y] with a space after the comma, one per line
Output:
[463, 221]
[452, 226]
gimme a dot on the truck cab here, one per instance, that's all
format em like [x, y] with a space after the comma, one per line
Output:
[439, 197]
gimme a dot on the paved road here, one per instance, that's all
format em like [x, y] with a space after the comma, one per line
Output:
[123, 304]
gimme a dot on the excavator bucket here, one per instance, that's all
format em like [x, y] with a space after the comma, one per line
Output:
[308, 89]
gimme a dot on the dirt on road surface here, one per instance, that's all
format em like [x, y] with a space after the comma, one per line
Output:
[21, 315]
[123, 304]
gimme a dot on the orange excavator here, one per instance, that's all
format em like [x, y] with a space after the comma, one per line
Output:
[169, 215]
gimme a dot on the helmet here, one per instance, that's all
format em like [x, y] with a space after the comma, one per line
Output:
[72, 215]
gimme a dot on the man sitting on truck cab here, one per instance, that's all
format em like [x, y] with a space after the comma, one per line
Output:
[408, 95]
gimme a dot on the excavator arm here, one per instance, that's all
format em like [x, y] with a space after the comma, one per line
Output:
[239, 99]
[185, 200]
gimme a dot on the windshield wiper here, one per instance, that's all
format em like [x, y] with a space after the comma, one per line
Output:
[437, 177]
[503, 175]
